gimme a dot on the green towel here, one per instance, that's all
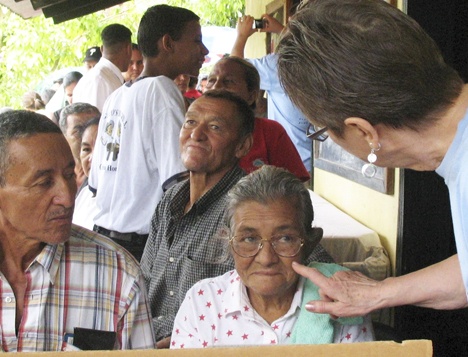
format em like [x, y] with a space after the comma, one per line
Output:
[312, 328]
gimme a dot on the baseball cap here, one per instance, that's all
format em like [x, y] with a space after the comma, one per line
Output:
[93, 54]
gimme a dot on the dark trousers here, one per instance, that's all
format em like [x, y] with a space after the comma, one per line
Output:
[133, 242]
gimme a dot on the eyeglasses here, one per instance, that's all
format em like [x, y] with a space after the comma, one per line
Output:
[314, 132]
[284, 245]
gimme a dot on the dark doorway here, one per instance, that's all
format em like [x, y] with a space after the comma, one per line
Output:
[425, 231]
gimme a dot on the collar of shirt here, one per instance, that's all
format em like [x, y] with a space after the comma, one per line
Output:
[103, 62]
[212, 195]
[49, 259]
[236, 299]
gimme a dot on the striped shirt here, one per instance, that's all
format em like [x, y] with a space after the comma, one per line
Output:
[89, 282]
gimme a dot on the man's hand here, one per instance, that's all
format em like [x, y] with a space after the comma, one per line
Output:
[270, 24]
[245, 26]
[164, 343]
[346, 293]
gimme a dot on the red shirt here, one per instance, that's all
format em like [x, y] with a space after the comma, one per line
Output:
[192, 94]
[272, 146]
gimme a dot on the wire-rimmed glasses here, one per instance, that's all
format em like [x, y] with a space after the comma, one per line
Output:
[284, 245]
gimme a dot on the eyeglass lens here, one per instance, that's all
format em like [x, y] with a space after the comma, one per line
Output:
[284, 245]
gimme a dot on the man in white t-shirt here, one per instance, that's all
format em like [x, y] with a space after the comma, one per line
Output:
[137, 146]
[106, 76]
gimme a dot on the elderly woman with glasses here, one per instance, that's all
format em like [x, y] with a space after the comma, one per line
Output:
[269, 216]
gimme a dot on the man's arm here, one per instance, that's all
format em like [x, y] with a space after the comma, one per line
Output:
[347, 293]
[245, 30]
[136, 325]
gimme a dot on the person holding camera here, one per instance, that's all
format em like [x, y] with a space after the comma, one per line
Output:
[280, 107]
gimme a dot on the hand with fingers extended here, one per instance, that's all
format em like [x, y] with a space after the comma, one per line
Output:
[345, 294]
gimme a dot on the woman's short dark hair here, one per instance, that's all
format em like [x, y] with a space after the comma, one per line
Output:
[71, 77]
[366, 59]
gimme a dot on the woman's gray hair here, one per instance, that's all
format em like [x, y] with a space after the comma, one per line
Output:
[269, 184]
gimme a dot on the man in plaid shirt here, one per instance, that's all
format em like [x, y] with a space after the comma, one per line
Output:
[55, 277]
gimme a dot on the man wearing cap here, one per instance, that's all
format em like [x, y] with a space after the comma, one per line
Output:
[92, 56]
[106, 76]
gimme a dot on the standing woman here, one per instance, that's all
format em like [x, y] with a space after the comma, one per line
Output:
[369, 75]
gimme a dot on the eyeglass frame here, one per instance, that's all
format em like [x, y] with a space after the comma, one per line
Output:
[260, 247]
[318, 134]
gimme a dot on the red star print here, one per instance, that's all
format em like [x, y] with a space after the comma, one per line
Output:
[276, 327]
[220, 291]
[219, 315]
[364, 329]
[177, 331]
[238, 278]
[232, 280]
[202, 317]
[229, 333]
[205, 343]
[288, 334]
[190, 335]
[348, 336]
[216, 339]
[182, 346]
[235, 317]
[208, 304]
[273, 342]
[245, 336]
[213, 327]
[246, 308]
[200, 292]
[173, 343]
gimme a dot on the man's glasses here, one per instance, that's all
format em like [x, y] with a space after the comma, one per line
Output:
[284, 245]
[313, 132]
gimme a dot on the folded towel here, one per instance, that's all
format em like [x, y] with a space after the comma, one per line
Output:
[312, 328]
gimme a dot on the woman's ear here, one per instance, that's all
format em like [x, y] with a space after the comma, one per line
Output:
[363, 128]
[316, 235]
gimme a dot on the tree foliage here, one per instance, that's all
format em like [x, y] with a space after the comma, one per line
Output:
[32, 49]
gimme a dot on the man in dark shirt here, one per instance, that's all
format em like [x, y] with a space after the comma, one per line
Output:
[183, 247]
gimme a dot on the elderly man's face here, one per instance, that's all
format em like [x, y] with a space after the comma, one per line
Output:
[74, 125]
[230, 76]
[37, 200]
[209, 138]
[267, 275]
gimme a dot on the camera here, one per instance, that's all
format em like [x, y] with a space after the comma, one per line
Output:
[258, 24]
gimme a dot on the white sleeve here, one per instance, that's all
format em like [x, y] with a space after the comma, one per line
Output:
[354, 333]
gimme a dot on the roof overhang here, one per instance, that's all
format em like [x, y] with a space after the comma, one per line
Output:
[59, 10]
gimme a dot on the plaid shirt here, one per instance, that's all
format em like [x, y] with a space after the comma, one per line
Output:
[183, 249]
[88, 281]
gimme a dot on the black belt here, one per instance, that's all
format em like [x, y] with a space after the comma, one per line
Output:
[128, 237]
